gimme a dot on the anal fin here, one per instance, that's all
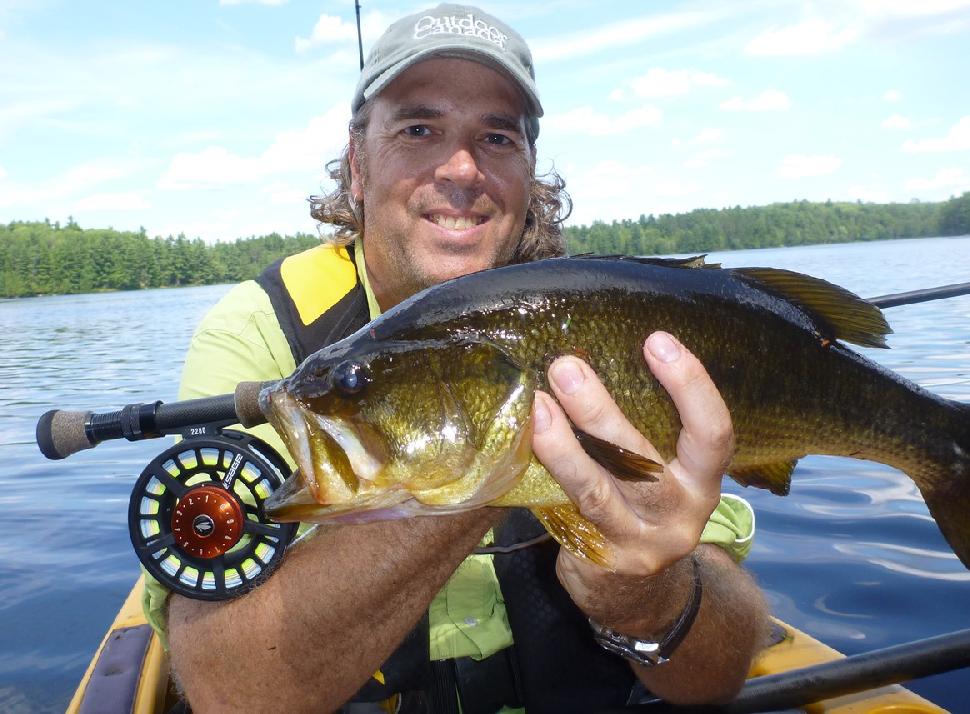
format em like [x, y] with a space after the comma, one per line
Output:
[574, 532]
[775, 477]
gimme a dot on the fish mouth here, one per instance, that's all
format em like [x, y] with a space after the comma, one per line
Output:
[333, 457]
[286, 416]
[294, 502]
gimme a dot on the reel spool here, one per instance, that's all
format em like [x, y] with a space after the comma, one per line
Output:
[196, 516]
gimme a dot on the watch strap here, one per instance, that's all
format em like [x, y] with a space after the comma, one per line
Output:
[649, 653]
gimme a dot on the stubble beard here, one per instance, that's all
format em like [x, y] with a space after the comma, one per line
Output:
[412, 276]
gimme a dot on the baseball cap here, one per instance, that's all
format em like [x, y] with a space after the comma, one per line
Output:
[451, 31]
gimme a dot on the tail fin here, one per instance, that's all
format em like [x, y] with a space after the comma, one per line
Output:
[948, 494]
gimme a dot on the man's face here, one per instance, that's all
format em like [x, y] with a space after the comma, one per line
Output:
[444, 177]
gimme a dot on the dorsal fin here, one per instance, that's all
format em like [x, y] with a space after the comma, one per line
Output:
[841, 314]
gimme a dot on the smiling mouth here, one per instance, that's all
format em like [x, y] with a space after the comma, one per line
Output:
[455, 223]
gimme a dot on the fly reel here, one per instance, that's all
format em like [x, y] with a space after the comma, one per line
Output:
[196, 516]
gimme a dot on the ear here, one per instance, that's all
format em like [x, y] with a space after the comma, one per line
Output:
[356, 175]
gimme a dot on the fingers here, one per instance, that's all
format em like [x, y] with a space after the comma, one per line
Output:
[584, 481]
[706, 442]
[648, 523]
[591, 408]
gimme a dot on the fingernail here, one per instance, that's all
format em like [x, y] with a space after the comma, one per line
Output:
[541, 417]
[663, 347]
[567, 375]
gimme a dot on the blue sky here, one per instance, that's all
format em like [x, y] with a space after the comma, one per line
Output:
[215, 117]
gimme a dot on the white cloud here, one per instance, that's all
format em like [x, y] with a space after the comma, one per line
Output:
[253, 2]
[945, 179]
[707, 136]
[614, 35]
[810, 37]
[285, 194]
[770, 100]
[704, 158]
[321, 140]
[124, 201]
[892, 95]
[660, 82]
[957, 139]
[868, 194]
[219, 227]
[329, 28]
[801, 166]
[213, 166]
[14, 114]
[613, 190]
[306, 149]
[332, 29]
[842, 24]
[77, 179]
[896, 121]
[586, 120]
[903, 9]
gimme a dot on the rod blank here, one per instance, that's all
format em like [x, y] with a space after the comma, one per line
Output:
[914, 296]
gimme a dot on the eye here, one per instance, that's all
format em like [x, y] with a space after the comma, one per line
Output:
[498, 139]
[350, 377]
[417, 131]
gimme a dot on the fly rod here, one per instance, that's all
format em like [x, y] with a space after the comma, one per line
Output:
[61, 433]
[360, 41]
[857, 673]
[915, 296]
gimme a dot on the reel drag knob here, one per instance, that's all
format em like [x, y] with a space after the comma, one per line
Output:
[207, 522]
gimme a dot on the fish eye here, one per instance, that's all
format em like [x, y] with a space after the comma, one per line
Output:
[350, 377]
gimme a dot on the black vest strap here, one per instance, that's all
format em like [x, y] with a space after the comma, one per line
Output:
[344, 318]
[562, 669]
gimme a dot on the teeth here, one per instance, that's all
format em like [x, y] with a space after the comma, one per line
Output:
[454, 224]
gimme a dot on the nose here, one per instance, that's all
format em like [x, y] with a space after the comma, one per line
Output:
[460, 168]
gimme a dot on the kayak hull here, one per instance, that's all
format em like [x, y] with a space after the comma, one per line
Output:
[130, 673]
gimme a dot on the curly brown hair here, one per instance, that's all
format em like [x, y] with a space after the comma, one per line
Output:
[549, 204]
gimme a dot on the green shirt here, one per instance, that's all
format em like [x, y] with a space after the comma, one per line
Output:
[240, 340]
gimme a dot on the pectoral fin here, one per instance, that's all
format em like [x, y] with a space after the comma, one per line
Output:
[774, 477]
[574, 532]
[624, 464]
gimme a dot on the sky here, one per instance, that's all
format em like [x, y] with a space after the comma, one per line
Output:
[215, 118]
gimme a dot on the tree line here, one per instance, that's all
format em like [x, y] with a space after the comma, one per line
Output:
[776, 225]
[43, 258]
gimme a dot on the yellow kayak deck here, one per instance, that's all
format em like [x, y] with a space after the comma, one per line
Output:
[129, 671]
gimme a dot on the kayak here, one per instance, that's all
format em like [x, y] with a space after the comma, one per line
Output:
[129, 672]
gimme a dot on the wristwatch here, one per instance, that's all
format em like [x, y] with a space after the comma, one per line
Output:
[645, 652]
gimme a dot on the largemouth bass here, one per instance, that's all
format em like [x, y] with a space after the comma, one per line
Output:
[427, 409]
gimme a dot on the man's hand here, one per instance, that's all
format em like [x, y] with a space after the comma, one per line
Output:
[652, 528]
[649, 525]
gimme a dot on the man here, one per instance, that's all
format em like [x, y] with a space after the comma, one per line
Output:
[438, 181]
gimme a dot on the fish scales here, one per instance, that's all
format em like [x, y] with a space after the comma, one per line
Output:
[769, 340]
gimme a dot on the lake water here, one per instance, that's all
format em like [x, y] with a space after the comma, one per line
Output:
[851, 555]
